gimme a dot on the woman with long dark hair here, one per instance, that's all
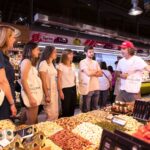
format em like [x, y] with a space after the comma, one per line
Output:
[67, 84]
[8, 35]
[30, 81]
[48, 74]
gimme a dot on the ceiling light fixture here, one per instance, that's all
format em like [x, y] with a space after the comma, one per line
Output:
[135, 10]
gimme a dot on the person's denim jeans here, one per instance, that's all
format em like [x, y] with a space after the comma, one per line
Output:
[103, 98]
[90, 101]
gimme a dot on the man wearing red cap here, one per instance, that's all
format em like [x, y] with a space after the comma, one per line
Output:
[130, 69]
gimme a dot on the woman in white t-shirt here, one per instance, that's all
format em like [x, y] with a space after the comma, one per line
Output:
[29, 77]
[66, 83]
[48, 74]
[105, 85]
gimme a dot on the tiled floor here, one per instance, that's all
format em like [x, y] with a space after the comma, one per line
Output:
[77, 111]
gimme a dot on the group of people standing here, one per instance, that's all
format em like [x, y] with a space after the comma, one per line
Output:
[55, 81]
[43, 82]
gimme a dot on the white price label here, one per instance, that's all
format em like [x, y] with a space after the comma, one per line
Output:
[119, 121]
[4, 142]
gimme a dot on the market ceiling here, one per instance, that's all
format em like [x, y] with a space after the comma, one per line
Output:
[110, 14]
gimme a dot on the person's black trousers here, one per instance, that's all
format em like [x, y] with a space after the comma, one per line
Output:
[69, 102]
[5, 112]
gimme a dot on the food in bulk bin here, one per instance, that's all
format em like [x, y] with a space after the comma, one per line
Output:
[99, 114]
[7, 124]
[48, 128]
[90, 132]
[92, 117]
[70, 141]
[49, 145]
[87, 117]
[110, 126]
[131, 125]
[143, 133]
[68, 123]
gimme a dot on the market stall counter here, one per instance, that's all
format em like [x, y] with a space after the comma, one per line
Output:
[80, 132]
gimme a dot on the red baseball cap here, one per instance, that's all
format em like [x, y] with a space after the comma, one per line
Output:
[127, 44]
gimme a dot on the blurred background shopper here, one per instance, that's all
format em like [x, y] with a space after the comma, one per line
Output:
[105, 82]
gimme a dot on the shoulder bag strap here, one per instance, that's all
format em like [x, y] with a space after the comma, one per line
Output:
[108, 79]
[106, 76]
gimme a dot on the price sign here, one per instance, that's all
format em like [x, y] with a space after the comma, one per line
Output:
[118, 121]
[4, 142]
[25, 133]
